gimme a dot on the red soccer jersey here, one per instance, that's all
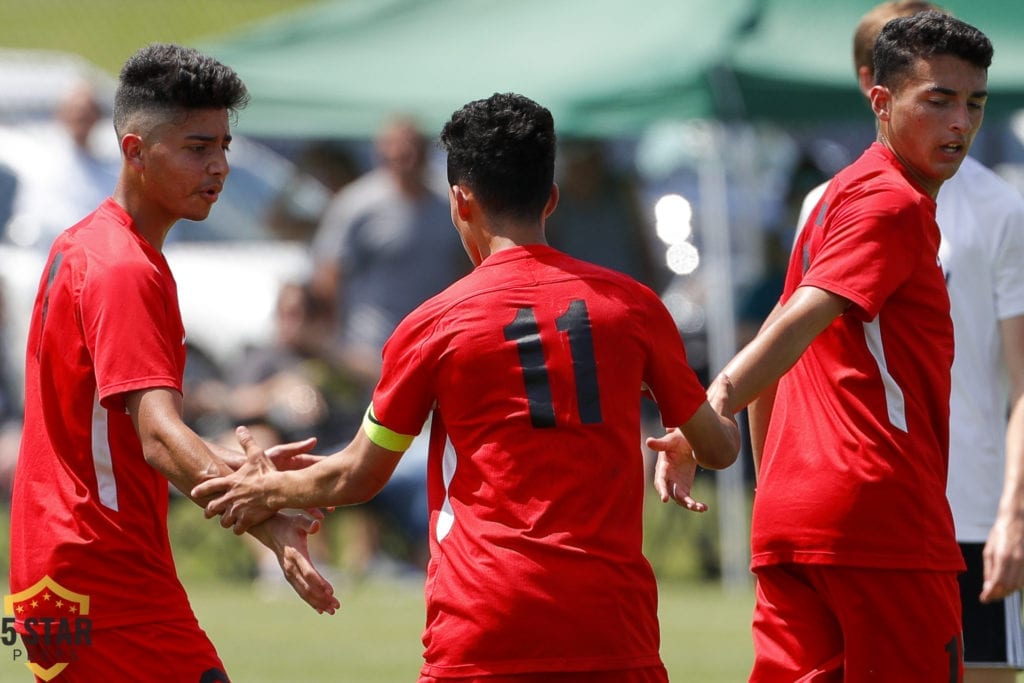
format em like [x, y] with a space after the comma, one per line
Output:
[87, 510]
[535, 362]
[854, 466]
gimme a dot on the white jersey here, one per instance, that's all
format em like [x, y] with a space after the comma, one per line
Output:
[981, 218]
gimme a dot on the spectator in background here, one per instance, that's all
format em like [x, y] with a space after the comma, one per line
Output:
[981, 218]
[73, 177]
[384, 246]
[599, 217]
[323, 169]
[290, 384]
[8, 190]
[287, 390]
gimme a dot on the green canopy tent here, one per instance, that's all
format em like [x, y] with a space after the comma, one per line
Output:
[796, 66]
[339, 68]
[604, 67]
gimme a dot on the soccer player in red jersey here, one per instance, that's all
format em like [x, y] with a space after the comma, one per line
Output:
[852, 535]
[103, 431]
[981, 218]
[531, 367]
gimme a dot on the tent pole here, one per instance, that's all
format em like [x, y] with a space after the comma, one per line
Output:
[721, 333]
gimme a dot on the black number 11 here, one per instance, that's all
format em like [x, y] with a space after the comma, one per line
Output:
[525, 332]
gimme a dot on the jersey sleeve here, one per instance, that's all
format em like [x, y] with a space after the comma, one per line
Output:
[128, 323]
[405, 393]
[668, 377]
[868, 246]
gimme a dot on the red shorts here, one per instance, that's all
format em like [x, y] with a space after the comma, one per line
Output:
[650, 674]
[816, 623]
[172, 652]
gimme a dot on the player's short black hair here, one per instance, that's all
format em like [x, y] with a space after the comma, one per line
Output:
[503, 148]
[165, 77]
[922, 36]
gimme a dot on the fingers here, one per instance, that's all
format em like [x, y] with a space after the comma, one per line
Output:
[310, 585]
[673, 445]
[253, 451]
[662, 443]
[308, 524]
[210, 487]
[688, 502]
[292, 448]
[663, 490]
[1003, 571]
[994, 589]
[246, 439]
[680, 493]
[999, 583]
[228, 520]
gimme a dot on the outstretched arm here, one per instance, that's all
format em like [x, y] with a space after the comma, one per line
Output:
[352, 475]
[781, 342]
[178, 453]
[1004, 549]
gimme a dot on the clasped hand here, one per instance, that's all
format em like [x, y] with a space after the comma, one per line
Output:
[241, 498]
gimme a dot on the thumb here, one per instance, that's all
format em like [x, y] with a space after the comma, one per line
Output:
[657, 443]
[253, 451]
[308, 524]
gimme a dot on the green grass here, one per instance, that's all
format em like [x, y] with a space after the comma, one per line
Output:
[376, 635]
[106, 32]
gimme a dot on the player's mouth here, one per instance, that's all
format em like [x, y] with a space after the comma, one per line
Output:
[953, 148]
[210, 193]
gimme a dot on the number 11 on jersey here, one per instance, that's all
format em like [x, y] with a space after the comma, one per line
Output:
[525, 332]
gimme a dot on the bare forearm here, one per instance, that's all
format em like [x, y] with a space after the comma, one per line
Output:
[761, 363]
[759, 415]
[1011, 503]
[785, 336]
[231, 457]
[351, 476]
[183, 458]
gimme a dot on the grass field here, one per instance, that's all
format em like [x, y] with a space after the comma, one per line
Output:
[106, 32]
[375, 636]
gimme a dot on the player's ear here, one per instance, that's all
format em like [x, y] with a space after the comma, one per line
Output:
[131, 150]
[881, 102]
[461, 200]
[549, 208]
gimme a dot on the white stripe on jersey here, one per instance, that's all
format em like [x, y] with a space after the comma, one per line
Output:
[101, 458]
[894, 400]
[446, 517]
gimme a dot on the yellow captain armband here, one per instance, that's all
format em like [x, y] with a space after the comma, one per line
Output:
[384, 437]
